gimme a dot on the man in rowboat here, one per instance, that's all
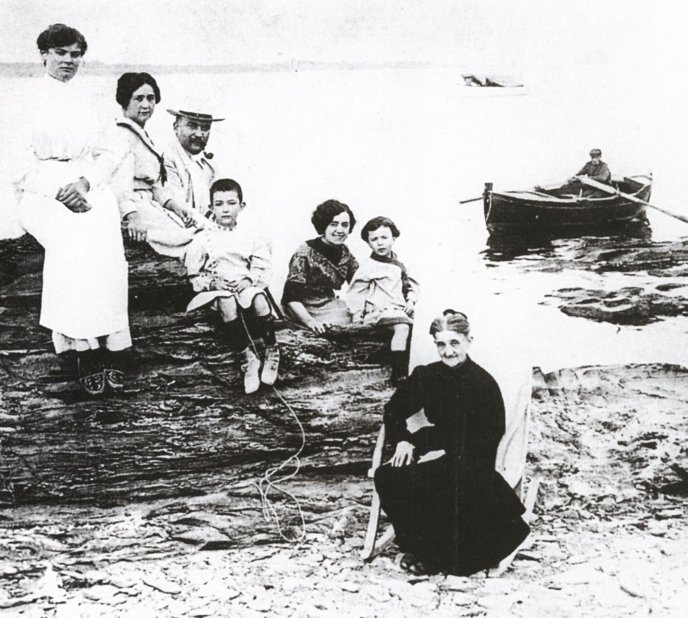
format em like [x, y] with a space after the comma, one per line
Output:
[596, 169]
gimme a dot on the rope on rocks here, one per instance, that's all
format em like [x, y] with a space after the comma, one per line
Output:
[269, 481]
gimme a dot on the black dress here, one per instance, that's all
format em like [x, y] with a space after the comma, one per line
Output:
[456, 512]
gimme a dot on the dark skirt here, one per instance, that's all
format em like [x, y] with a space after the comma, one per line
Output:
[460, 528]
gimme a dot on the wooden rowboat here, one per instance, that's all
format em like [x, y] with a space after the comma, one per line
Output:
[559, 211]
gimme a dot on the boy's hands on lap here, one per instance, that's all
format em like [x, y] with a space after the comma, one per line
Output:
[236, 285]
[239, 285]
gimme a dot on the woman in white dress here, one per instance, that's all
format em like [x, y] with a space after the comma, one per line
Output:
[65, 203]
[148, 210]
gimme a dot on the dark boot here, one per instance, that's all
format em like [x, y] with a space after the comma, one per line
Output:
[113, 369]
[399, 367]
[90, 370]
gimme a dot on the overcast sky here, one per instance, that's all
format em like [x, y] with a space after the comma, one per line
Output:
[508, 34]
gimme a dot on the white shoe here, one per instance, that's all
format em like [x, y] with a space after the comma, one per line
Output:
[270, 365]
[250, 369]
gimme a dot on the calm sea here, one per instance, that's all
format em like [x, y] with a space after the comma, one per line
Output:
[410, 144]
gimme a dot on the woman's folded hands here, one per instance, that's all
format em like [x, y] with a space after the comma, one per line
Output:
[73, 195]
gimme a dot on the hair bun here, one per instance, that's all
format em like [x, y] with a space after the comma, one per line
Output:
[451, 320]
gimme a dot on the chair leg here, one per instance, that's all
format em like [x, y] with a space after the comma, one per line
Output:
[385, 539]
[371, 534]
[372, 546]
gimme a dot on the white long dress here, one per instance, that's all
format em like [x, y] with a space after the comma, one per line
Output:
[85, 271]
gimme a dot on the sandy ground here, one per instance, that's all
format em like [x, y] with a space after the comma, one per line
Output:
[607, 444]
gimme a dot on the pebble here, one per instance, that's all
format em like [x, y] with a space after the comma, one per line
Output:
[634, 585]
[399, 588]
[669, 513]
[454, 582]
[290, 584]
[582, 574]
[211, 609]
[461, 598]
[7, 571]
[349, 586]
[101, 592]
[499, 585]
[497, 604]
[260, 604]
[377, 593]
[423, 593]
[162, 585]
[658, 528]
[123, 582]
[201, 536]
[75, 607]
[280, 563]
[96, 577]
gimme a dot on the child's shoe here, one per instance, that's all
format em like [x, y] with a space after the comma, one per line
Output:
[250, 369]
[270, 365]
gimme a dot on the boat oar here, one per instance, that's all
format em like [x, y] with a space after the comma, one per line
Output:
[473, 199]
[612, 191]
[486, 192]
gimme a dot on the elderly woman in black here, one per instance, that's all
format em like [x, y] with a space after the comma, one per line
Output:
[454, 513]
[319, 268]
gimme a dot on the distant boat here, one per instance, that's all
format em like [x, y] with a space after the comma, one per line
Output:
[494, 81]
[550, 211]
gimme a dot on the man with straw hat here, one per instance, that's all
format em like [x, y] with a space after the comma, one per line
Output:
[189, 169]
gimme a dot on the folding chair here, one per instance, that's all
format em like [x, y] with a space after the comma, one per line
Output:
[510, 463]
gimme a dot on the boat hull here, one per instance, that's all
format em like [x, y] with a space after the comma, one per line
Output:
[535, 213]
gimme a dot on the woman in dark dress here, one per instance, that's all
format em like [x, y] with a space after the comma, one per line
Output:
[319, 268]
[454, 513]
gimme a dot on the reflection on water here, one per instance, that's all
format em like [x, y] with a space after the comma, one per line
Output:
[503, 247]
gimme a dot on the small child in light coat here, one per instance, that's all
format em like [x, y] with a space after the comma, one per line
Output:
[382, 293]
[230, 270]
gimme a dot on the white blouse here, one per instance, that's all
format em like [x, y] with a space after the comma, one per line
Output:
[62, 124]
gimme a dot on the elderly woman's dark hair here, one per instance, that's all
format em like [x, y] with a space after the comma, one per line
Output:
[59, 35]
[325, 212]
[129, 83]
[378, 222]
[451, 320]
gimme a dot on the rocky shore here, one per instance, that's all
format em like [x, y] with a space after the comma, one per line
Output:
[146, 504]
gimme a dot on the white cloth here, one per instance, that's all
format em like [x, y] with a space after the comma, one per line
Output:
[376, 292]
[85, 271]
[114, 342]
